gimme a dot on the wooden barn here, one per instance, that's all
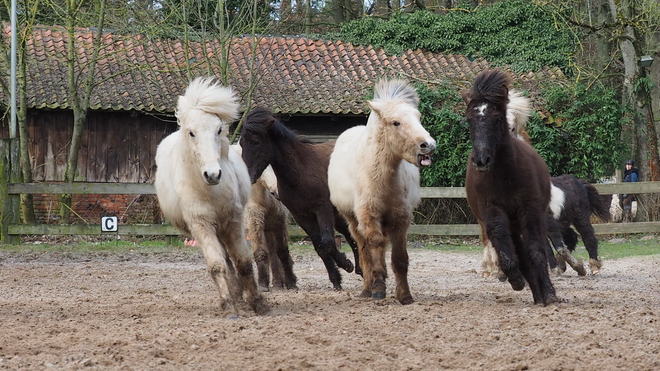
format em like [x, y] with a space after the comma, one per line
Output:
[318, 88]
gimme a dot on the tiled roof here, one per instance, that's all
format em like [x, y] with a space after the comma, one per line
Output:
[294, 74]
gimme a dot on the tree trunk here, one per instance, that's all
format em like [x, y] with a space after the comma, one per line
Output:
[381, 8]
[635, 96]
[339, 11]
[27, 204]
[79, 105]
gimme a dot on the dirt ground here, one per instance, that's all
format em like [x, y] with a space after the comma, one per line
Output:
[158, 311]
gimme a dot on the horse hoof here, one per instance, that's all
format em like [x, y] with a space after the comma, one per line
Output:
[358, 270]
[231, 316]
[595, 265]
[337, 287]
[365, 294]
[348, 267]
[502, 277]
[260, 307]
[579, 268]
[406, 300]
[517, 284]
[550, 299]
[378, 295]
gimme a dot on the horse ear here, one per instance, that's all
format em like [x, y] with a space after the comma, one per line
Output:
[376, 106]
[269, 122]
[467, 96]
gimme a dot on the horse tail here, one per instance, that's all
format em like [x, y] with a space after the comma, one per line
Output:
[596, 204]
[492, 86]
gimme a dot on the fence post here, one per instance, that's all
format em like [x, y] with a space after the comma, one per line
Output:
[9, 173]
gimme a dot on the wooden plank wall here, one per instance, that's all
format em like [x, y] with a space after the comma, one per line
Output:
[116, 146]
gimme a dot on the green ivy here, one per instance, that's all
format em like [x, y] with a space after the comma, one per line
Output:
[517, 33]
[583, 138]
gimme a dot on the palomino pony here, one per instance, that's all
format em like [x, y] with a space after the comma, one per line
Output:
[203, 186]
[374, 183]
[266, 223]
[508, 188]
[301, 168]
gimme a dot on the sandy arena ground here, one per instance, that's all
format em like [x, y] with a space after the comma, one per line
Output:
[158, 311]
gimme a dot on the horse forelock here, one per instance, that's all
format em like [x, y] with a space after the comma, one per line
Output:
[208, 96]
[396, 89]
[491, 87]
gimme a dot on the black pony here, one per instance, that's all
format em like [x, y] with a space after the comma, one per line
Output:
[573, 201]
[508, 188]
[301, 168]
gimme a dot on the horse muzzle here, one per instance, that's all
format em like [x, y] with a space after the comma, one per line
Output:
[212, 178]
[482, 165]
[427, 149]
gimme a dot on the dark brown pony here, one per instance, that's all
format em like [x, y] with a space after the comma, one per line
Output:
[301, 168]
[508, 188]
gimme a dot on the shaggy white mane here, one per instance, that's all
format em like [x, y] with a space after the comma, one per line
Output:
[518, 111]
[388, 90]
[205, 94]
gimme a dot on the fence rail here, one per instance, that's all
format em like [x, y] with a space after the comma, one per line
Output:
[15, 230]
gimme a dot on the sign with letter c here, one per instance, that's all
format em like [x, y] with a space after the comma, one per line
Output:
[109, 224]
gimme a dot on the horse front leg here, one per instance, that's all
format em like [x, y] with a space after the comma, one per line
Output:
[216, 264]
[321, 245]
[400, 263]
[534, 262]
[498, 231]
[373, 254]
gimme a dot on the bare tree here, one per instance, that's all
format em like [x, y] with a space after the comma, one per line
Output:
[80, 82]
[25, 21]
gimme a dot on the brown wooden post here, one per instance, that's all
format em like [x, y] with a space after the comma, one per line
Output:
[9, 173]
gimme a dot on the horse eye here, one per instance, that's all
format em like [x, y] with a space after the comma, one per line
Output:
[396, 123]
[192, 135]
[219, 131]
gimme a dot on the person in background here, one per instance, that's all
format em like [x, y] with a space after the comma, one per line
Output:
[631, 174]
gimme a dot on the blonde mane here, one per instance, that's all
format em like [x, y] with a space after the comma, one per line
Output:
[207, 95]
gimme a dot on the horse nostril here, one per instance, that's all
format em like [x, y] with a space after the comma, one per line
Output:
[427, 147]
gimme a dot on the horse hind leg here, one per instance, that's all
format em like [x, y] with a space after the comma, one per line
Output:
[588, 234]
[342, 227]
[261, 258]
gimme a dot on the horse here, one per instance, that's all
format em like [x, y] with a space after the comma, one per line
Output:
[373, 177]
[572, 202]
[203, 186]
[266, 223]
[580, 201]
[301, 168]
[508, 188]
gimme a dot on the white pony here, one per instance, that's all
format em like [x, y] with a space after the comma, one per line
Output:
[203, 186]
[373, 178]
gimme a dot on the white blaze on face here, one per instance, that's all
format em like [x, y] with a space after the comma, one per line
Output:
[557, 198]
[481, 110]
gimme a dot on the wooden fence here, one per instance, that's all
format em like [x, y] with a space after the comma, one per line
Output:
[12, 230]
